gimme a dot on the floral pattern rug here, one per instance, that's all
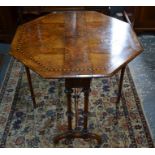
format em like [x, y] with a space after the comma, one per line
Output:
[21, 126]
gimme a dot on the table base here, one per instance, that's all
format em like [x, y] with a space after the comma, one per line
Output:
[71, 86]
[77, 134]
[74, 84]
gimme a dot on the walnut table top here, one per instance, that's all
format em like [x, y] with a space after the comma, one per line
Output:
[75, 44]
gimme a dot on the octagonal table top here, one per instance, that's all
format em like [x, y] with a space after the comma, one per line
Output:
[75, 44]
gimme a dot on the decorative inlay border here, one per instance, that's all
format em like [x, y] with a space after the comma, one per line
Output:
[45, 68]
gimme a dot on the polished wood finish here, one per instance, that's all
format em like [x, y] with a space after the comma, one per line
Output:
[142, 18]
[75, 44]
[70, 85]
[127, 18]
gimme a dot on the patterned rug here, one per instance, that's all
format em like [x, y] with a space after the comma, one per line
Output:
[22, 126]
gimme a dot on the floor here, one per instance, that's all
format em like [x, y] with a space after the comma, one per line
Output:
[143, 73]
[142, 69]
[4, 60]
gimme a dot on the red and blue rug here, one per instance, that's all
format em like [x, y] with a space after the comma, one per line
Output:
[23, 127]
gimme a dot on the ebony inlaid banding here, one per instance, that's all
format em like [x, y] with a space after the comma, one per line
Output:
[75, 43]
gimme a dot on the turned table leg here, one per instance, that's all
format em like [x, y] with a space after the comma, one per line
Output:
[30, 86]
[86, 99]
[71, 84]
[120, 90]
[69, 108]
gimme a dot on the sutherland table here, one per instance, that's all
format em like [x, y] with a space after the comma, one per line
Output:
[76, 46]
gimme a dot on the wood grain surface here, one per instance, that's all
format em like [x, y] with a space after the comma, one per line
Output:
[75, 44]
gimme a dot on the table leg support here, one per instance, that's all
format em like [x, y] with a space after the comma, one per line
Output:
[69, 109]
[30, 86]
[119, 91]
[86, 99]
[70, 133]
